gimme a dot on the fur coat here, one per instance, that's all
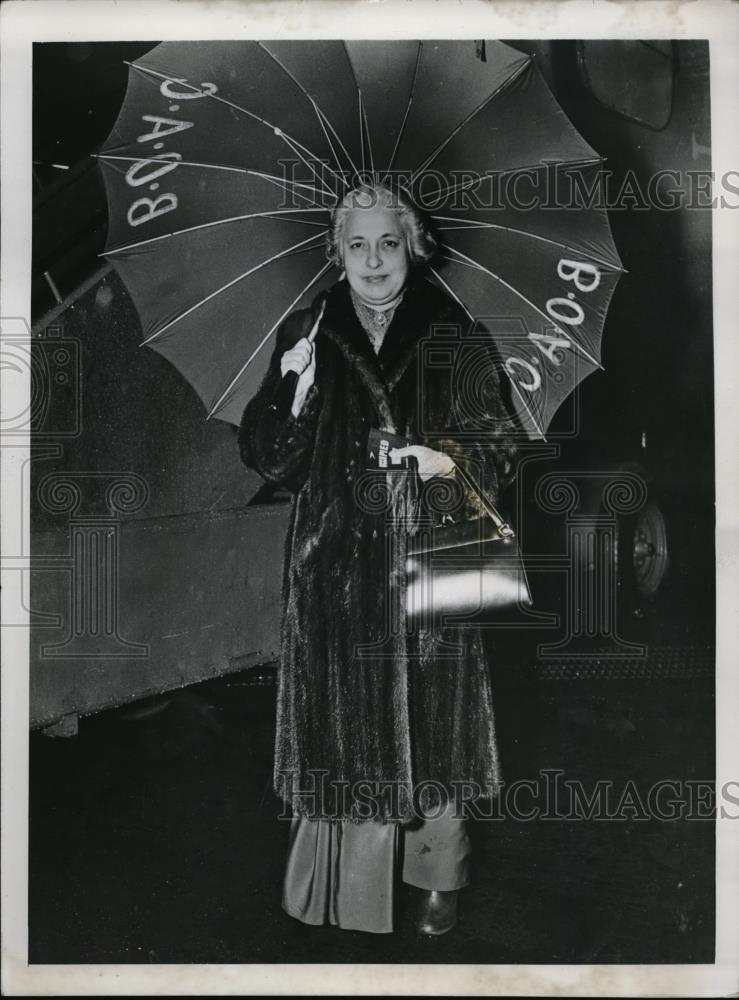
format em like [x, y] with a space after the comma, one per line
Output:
[374, 719]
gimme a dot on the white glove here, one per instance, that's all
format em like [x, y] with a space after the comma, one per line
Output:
[430, 462]
[302, 360]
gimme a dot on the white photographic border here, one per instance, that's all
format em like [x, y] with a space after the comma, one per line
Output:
[22, 23]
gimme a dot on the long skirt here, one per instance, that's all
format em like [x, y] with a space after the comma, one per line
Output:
[344, 873]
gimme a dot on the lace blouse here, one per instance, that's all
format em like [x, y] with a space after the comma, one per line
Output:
[375, 321]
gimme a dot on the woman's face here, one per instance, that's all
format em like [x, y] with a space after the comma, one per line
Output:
[375, 254]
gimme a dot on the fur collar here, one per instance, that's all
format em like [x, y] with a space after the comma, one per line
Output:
[422, 305]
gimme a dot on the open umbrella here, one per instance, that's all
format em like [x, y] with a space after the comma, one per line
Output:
[228, 156]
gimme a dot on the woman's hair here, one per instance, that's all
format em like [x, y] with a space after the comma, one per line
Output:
[418, 236]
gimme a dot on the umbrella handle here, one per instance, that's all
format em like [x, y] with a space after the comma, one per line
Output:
[283, 399]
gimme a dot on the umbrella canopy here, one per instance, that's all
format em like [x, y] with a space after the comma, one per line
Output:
[227, 158]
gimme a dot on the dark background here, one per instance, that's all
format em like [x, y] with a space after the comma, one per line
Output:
[153, 829]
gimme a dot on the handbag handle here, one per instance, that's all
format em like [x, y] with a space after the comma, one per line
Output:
[504, 528]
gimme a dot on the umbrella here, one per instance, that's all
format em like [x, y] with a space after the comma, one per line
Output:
[227, 158]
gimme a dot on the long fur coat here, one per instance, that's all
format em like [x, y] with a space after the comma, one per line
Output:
[375, 719]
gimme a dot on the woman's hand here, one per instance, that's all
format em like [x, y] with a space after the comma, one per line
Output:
[430, 462]
[302, 360]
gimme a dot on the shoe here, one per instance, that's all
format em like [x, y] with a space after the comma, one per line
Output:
[438, 912]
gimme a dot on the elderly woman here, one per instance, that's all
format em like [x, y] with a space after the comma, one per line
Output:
[379, 722]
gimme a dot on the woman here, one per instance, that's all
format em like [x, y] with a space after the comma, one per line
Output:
[378, 723]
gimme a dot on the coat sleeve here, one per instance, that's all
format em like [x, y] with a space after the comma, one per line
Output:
[483, 448]
[281, 451]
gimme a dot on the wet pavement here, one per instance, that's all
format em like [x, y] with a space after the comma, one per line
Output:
[156, 838]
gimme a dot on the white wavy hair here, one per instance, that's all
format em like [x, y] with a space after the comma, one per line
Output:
[419, 238]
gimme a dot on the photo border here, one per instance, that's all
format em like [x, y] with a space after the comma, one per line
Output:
[22, 23]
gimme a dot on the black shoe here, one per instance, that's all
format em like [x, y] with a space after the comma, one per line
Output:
[438, 912]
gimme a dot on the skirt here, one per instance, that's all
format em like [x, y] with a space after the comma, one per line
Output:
[344, 873]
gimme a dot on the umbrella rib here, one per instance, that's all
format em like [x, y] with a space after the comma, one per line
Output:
[521, 296]
[525, 405]
[361, 128]
[220, 222]
[291, 142]
[273, 178]
[281, 182]
[319, 114]
[506, 83]
[229, 284]
[464, 263]
[521, 168]
[222, 398]
[365, 125]
[407, 110]
[523, 232]
[359, 109]
[341, 144]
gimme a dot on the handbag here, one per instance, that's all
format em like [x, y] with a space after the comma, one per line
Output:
[470, 569]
